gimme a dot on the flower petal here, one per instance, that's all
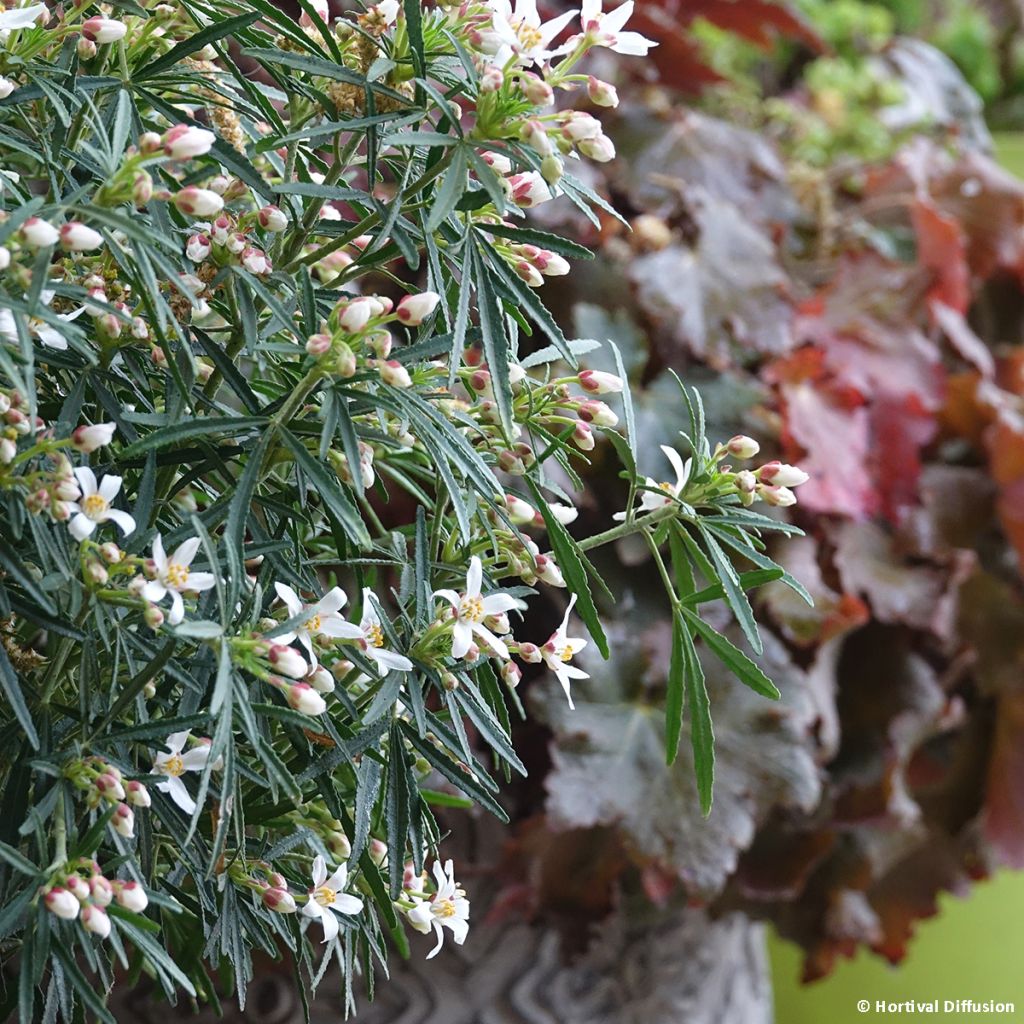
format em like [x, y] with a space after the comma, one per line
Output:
[109, 486]
[289, 598]
[124, 521]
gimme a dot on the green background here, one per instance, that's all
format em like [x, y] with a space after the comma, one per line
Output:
[973, 949]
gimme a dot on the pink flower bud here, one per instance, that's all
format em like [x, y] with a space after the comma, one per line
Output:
[77, 237]
[536, 90]
[583, 436]
[321, 680]
[123, 821]
[394, 373]
[530, 653]
[132, 896]
[356, 315]
[509, 462]
[103, 30]
[498, 162]
[598, 414]
[535, 135]
[279, 900]
[109, 788]
[142, 188]
[87, 439]
[153, 616]
[198, 247]
[480, 382]
[601, 93]
[198, 202]
[548, 571]
[380, 342]
[39, 233]
[78, 887]
[511, 674]
[528, 273]
[780, 496]
[378, 851]
[780, 474]
[256, 261]
[101, 892]
[8, 450]
[491, 79]
[528, 189]
[599, 148]
[322, 9]
[745, 481]
[304, 699]
[519, 511]
[184, 141]
[318, 344]
[137, 794]
[742, 447]
[414, 309]
[272, 218]
[61, 903]
[597, 382]
[287, 661]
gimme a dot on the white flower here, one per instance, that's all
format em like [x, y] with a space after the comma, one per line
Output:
[329, 894]
[470, 611]
[21, 17]
[651, 499]
[173, 576]
[325, 620]
[60, 901]
[6, 87]
[446, 908]
[520, 32]
[93, 507]
[606, 29]
[47, 334]
[174, 764]
[371, 639]
[559, 651]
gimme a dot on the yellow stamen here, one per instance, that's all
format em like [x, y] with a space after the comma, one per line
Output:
[173, 766]
[443, 908]
[375, 635]
[313, 624]
[176, 575]
[94, 505]
[471, 609]
[324, 895]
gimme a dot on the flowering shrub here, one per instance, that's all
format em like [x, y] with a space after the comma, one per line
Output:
[284, 457]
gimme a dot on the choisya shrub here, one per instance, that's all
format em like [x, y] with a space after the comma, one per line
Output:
[270, 328]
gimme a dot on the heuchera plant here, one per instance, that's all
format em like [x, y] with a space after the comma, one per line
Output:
[284, 458]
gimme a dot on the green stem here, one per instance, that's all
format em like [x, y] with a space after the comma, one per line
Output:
[631, 526]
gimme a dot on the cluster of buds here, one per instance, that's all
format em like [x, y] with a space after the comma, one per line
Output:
[225, 241]
[340, 462]
[282, 667]
[356, 335]
[328, 829]
[85, 893]
[532, 264]
[103, 784]
[772, 483]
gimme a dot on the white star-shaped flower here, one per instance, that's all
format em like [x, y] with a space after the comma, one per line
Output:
[605, 29]
[174, 764]
[325, 620]
[520, 32]
[446, 908]
[47, 334]
[371, 637]
[651, 500]
[470, 611]
[328, 895]
[559, 651]
[93, 507]
[21, 17]
[174, 576]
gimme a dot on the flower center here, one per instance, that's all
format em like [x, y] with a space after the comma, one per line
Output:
[313, 624]
[324, 895]
[176, 575]
[666, 487]
[565, 654]
[174, 766]
[471, 609]
[528, 35]
[375, 635]
[443, 908]
[94, 505]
